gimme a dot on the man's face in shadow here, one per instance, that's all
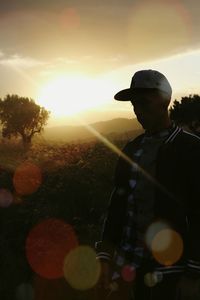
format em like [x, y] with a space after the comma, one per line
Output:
[150, 107]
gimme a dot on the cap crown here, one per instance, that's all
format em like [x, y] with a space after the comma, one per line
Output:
[151, 79]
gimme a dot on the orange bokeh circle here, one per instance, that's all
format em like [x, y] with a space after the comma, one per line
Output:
[47, 245]
[167, 247]
[27, 178]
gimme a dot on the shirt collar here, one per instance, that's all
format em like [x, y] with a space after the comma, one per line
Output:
[160, 134]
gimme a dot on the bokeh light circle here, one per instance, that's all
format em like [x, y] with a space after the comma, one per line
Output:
[152, 230]
[81, 268]
[169, 15]
[70, 18]
[47, 245]
[128, 273]
[167, 247]
[150, 280]
[27, 178]
[6, 198]
[24, 291]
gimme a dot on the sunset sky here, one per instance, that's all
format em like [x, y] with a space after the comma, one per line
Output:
[72, 56]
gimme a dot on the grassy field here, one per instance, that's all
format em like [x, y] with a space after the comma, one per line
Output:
[74, 186]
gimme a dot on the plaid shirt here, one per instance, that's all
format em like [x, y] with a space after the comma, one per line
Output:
[140, 210]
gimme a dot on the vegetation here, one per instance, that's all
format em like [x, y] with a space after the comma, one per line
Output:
[21, 116]
[77, 180]
[186, 113]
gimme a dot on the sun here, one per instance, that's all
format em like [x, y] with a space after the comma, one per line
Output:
[69, 95]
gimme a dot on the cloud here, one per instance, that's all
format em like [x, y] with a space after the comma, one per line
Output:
[67, 61]
[1, 54]
[59, 65]
[18, 61]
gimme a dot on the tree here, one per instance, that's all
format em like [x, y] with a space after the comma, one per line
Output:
[21, 116]
[186, 113]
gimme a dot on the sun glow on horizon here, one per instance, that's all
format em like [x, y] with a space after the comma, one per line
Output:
[70, 95]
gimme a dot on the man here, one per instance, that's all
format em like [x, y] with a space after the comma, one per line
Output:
[152, 230]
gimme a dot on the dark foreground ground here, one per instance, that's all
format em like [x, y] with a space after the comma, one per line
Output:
[70, 183]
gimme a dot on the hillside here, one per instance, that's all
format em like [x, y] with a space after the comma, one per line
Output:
[111, 128]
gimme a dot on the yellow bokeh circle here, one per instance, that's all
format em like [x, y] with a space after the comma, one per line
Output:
[81, 268]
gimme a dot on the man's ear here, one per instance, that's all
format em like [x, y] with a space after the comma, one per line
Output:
[165, 100]
[165, 104]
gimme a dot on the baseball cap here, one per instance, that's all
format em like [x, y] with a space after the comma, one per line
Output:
[145, 79]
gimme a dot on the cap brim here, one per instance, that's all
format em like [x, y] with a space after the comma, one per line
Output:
[124, 95]
[128, 94]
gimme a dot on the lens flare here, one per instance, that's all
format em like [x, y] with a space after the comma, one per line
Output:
[167, 247]
[6, 198]
[128, 273]
[158, 31]
[27, 178]
[152, 230]
[151, 279]
[81, 268]
[47, 245]
[24, 292]
[70, 18]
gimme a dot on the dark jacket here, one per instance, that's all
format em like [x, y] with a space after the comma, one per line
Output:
[177, 196]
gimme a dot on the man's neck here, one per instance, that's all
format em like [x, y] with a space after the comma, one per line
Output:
[159, 128]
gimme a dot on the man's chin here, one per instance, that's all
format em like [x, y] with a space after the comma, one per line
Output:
[142, 123]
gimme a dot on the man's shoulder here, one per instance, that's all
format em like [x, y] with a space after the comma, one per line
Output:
[187, 145]
[188, 138]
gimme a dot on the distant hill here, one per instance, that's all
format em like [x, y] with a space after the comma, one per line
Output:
[112, 128]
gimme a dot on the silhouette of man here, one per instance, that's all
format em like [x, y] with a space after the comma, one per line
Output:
[151, 231]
